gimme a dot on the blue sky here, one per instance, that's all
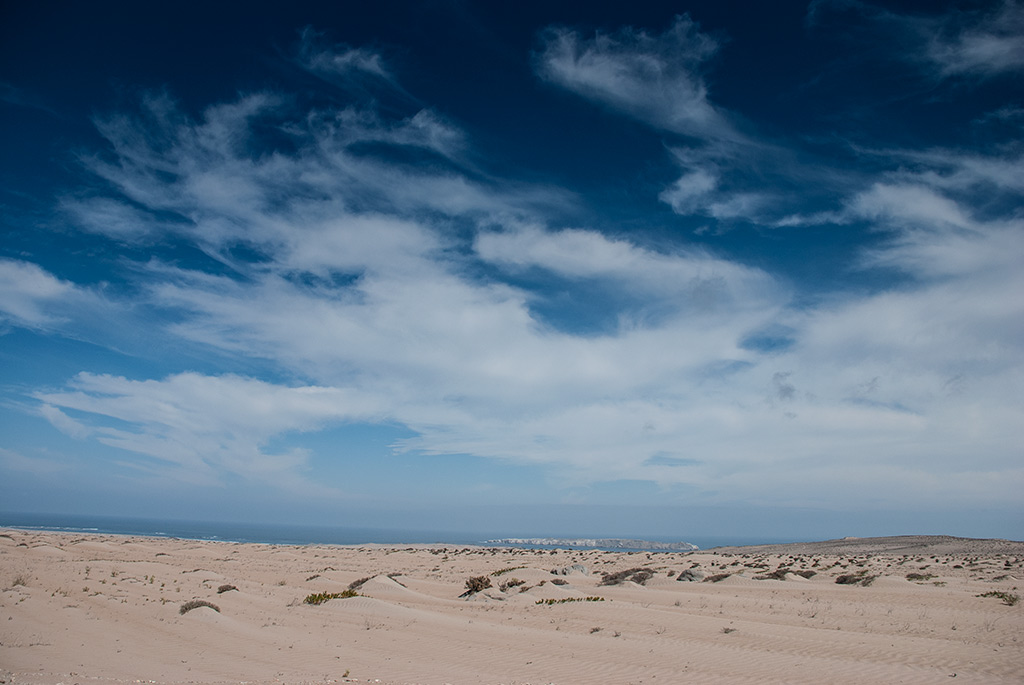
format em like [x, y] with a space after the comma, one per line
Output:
[668, 269]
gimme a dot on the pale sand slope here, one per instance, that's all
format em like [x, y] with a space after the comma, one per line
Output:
[105, 609]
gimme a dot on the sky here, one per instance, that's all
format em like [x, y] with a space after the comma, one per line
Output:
[536, 268]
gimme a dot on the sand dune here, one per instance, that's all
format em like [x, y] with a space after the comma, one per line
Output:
[107, 609]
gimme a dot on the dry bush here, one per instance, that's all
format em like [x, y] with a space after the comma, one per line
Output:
[919, 576]
[1009, 599]
[475, 584]
[195, 604]
[855, 579]
[225, 588]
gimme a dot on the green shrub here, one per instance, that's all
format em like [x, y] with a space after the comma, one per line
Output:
[321, 597]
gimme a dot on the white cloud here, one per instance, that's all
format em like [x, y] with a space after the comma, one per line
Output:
[695, 280]
[31, 296]
[341, 62]
[653, 78]
[698, 191]
[200, 427]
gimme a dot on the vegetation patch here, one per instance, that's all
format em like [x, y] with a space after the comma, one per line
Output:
[566, 600]
[855, 579]
[777, 574]
[506, 570]
[195, 604]
[919, 576]
[225, 588]
[717, 578]
[638, 575]
[356, 584]
[321, 597]
[1009, 599]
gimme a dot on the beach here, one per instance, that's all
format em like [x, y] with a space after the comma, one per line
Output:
[83, 609]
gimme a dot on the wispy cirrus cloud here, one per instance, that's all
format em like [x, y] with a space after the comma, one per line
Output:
[655, 78]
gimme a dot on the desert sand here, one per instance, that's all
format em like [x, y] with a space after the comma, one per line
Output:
[108, 609]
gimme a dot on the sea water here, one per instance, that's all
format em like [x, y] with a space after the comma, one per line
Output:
[293, 534]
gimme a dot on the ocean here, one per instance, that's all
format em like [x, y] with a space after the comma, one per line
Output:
[288, 534]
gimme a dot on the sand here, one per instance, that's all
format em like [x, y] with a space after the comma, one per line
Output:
[107, 609]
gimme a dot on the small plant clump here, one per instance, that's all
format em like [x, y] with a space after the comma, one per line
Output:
[566, 600]
[1009, 599]
[919, 576]
[225, 588]
[510, 583]
[321, 597]
[195, 604]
